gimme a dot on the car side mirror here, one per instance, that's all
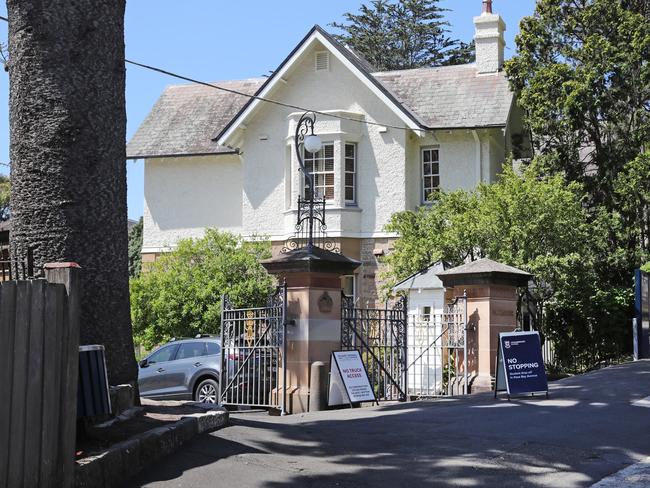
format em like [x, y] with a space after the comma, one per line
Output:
[144, 363]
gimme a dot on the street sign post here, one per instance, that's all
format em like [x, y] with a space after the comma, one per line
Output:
[520, 366]
[348, 379]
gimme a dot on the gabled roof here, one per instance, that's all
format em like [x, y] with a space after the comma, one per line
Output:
[186, 118]
[450, 97]
[425, 279]
[350, 58]
[197, 119]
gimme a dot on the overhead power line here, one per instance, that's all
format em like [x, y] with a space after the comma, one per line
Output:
[255, 97]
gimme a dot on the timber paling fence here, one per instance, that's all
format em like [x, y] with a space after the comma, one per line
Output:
[39, 342]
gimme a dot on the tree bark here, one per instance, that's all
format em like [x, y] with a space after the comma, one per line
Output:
[68, 161]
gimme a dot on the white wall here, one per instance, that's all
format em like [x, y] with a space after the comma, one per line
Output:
[183, 196]
[380, 155]
[256, 192]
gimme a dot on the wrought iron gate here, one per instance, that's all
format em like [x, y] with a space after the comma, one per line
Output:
[252, 353]
[437, 348]
[380, 336]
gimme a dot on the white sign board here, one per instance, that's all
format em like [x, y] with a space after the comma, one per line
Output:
[348, 379]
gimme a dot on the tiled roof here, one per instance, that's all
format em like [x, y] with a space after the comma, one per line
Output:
[451, 96]
[186, 118]
[424, 279]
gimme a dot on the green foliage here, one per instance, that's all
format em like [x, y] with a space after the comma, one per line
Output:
[537, 223]
[5, 195]
[646, 267]
[180, 294]
[402, 34]
[135, 249]
[583, 79]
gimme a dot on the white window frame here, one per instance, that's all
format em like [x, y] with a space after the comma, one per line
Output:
[432, 174]
[345, 185]
[324, 173]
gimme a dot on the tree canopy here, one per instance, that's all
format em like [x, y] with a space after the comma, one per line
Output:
[135, 249]
[179, 295]
[583, 79]
[535, 222]
[403, 34]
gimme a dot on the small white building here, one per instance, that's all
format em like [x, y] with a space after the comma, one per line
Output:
[217, 158]
[426, 305]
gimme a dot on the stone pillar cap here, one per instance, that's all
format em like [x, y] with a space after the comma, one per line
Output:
[484, 271]
[311, 260]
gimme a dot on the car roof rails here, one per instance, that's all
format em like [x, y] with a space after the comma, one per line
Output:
[174, 339]
[200, 336]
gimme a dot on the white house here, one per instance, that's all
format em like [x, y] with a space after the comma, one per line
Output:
[214, 158]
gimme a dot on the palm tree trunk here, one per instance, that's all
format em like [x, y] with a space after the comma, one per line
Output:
[67, 147]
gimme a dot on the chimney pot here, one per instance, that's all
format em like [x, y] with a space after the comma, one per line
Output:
[487, 6]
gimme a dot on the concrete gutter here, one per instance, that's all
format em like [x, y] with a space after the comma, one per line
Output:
[634, 476]
[124, 460]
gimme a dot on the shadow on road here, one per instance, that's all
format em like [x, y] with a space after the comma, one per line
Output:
[585, 431]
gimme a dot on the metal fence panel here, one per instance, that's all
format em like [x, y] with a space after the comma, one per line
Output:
[252, 341]
[380, 336]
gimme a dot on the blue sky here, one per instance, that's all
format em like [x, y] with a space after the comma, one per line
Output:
[215, 40]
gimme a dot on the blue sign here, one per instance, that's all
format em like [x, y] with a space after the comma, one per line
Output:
[520, 364]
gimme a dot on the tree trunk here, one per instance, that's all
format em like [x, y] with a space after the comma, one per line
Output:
[68, 161]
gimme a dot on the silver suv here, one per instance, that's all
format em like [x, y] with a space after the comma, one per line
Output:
[183, 369]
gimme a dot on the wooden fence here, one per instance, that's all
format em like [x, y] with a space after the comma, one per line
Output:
[39, 341]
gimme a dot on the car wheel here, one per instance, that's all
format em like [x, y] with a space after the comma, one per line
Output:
[207, 391]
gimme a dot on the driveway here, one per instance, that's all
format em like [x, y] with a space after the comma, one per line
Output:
[587, 429]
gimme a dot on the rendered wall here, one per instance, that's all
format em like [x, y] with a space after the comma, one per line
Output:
[183, 196]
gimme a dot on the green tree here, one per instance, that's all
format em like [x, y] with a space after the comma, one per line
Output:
[534, 222]
[5, 197]
[402, 34]
[180, 294]
[135, 249]
[583, 79]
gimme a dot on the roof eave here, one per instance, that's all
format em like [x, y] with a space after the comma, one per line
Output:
[410, 119]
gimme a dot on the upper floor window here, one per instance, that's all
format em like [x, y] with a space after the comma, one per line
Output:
[350, 173]
[321, 166]
[430, 172]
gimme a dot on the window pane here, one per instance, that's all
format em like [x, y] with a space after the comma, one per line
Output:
[427, 168]
[191, 350]
[329, 179]
[309, 155]
[329, 193]
[435, 168]
[164, 354]
[329, 165]
[349, 179]
[436, 181]
[426, 156]
[329, 150]
[213, 348]
[349, 150]
[349, 194]
[427, 182]
[434, 155]
[349, 165]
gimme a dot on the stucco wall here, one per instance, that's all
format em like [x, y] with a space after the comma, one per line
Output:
[256, 192]
[183, 196]
[271, 178]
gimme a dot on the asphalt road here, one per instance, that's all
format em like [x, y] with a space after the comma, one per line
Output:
[589, 428]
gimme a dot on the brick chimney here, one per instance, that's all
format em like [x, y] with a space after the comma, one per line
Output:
[489, 40]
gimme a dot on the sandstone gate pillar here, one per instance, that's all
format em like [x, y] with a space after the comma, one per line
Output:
[491, 308]
[313, 277]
